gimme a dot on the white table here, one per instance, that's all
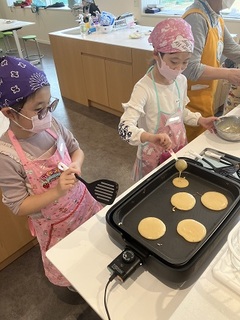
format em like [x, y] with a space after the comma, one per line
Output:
[14, 25]
[83, 256]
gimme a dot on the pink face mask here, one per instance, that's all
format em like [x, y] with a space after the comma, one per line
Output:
[37, 124]
[166, 71]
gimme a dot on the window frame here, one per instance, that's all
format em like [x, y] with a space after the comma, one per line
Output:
[232, 14]
[46, 3]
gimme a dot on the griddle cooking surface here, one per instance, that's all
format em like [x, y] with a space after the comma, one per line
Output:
[153, 199]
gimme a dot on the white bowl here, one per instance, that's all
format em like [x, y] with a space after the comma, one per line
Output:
[106, 29]
[228, 128]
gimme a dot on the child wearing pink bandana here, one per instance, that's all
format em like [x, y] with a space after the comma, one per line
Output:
[30, 150]
[154, 117]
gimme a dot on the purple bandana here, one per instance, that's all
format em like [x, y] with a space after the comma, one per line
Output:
[18, 80]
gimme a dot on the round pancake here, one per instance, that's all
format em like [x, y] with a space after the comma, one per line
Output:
[151, 228]
[183, 201]
[180, 182]
[214, 200]
[191, 230]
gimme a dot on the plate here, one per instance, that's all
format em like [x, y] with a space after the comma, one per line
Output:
[136, 35]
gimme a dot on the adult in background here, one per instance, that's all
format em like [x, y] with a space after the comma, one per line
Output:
[89, 6]
[212, 40]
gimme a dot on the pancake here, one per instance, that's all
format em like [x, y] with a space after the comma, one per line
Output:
[180, 182]
[214, 200]
[183, 201]
[191, 230]
[151, 228]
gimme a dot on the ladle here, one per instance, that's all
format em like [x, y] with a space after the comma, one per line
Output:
[180, 164]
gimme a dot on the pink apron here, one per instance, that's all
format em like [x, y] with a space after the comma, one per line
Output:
[153, 155]
[61, 217]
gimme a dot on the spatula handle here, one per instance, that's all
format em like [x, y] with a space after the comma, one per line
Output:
[213, 155]
[63, 167]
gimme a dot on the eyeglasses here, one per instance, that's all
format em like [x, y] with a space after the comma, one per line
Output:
[50, 108]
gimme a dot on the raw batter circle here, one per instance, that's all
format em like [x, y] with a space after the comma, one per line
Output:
[151, 228]
[191, 230]
[214, 200]
[180, 182]
[183, 201]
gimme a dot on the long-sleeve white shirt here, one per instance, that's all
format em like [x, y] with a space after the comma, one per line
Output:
[141, 111]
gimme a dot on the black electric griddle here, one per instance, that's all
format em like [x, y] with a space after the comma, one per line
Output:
[152, 198]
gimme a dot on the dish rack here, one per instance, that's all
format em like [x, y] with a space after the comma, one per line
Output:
[124, 21]
[227, 269]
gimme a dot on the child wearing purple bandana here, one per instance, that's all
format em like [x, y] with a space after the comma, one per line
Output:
[30, 150]
[154, 117]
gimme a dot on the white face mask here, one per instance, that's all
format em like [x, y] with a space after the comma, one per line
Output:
[226, 4]
[167, 72]
[37, 124]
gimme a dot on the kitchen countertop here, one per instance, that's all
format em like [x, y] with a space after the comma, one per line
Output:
[83, 256]
[121, 37]
[116, 37]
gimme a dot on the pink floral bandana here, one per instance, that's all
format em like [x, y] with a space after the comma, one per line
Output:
[172, 35]
[18, 79]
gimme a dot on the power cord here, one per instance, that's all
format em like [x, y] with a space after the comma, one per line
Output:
[113, 276]
[122, 267]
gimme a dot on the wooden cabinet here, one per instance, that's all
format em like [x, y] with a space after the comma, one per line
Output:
[15, 238]
[119, 83]
[95, 79]
[68, 62]
[108, 82]
[97, 74]
[141, 61]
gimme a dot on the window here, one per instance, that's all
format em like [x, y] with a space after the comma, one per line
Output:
[38, 2]
[171, 7]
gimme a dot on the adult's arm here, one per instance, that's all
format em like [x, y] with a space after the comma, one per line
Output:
[198, 71]
[231, 48]
[199, 29]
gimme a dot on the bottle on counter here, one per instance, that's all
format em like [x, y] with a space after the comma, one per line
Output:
[86, 21]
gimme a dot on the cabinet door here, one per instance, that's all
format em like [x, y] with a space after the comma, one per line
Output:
[119, 83]
[141, 61]
[14, 232]
[95, 79]
[67, 59]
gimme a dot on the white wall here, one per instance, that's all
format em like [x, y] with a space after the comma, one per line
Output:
[50, 20]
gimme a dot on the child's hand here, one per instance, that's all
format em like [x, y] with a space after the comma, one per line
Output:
[75, 165]
[66, 181]
[162, 139]
[207, 123]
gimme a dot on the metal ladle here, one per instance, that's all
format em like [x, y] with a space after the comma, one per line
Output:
[180, 164]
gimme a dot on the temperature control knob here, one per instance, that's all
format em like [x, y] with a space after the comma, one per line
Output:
[128, 256]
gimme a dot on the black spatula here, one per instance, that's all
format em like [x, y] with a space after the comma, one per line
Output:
[103, 190]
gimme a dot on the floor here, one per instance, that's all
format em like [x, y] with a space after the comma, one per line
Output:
[25, 292]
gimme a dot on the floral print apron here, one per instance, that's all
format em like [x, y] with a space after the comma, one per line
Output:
[61, 217]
